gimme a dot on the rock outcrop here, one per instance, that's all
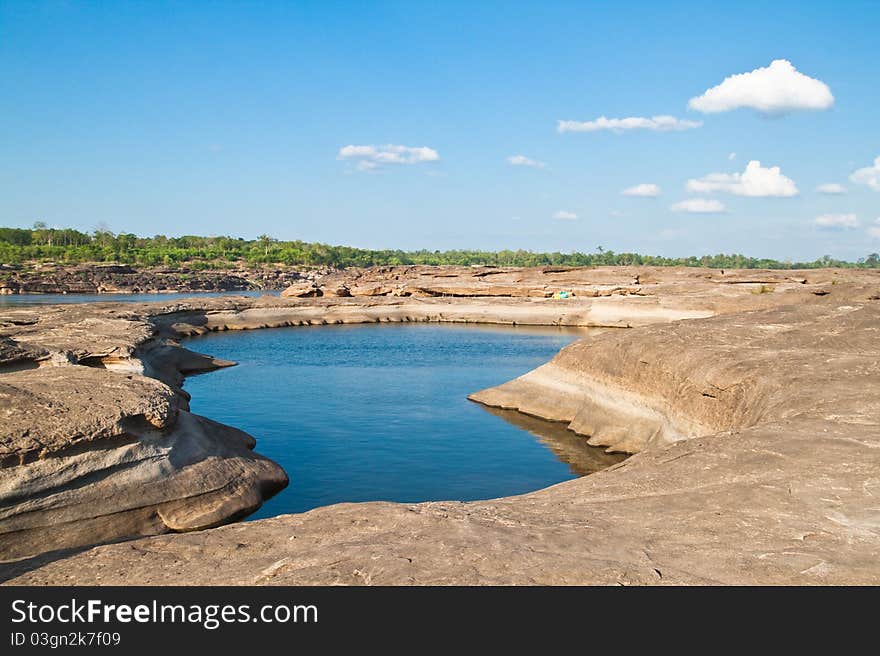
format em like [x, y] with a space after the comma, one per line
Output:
[755, 423]
[544, 282]
[94, 450]
[119, 278]
[688, 379]
[90, 456]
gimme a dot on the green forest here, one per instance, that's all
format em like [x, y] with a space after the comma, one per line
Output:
[66, 245]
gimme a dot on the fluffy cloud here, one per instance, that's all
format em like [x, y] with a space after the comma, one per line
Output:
[699, 206]
[522, 160]
[870, 175]
[756, 180]
[777, 89]
[645, 190]
[562, 215]
[372, 157]
[831, 188]
[619, 125]
[837, 221]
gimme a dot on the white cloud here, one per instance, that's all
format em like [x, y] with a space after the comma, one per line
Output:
[831, 188]
[369, 158]
[754, 181]
[732, 156]
[699, 206]
[837, 221]
[562, 215]
[645, 190]
[870, 175]
[776, 89]
[522, 160]
[619, 125]
[874, 230]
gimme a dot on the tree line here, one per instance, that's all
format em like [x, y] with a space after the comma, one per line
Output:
[66, 245]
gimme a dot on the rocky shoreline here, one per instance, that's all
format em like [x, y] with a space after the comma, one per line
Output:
[50, 278]
[752, 401]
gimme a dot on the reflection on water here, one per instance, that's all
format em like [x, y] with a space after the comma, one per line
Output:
[568, 446]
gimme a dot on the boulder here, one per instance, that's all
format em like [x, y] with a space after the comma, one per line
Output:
[90, 455]
[302, 290]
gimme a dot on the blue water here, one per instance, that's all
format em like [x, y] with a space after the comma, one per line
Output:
[379, 412]
[20, 300]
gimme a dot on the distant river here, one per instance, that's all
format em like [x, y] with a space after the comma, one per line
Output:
[49, 299]
[380, 412]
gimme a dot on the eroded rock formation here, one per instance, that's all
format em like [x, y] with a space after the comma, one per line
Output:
[119, 278]
[96, 443]
[753, 407]
[90, 455]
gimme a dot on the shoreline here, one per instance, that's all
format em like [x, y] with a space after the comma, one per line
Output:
[113, 278]
[637, 425]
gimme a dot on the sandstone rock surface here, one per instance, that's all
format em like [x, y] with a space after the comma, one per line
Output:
[93, 450]
[105, 278]
[543, 282]
[754, 416]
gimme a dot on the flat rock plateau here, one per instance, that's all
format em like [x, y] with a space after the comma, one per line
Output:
[750, 400]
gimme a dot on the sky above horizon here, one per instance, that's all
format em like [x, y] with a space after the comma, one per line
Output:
[674, 129]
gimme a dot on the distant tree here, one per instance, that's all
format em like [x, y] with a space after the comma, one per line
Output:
[42, 243]
[102, 235]
[266, 241]
[16, 236]
[41, 233]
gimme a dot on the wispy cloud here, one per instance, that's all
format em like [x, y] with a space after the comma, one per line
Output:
[644, 190]
[699, 206]
[620, 125]
[522, 160]
[831, 188]
[837, 221]
[731, 156]
[776, 89]
[563, 215]
[870, 175]
[369, 158]
[874, 230]
[756, 180]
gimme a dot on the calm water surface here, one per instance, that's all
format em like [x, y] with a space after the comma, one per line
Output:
[380, 412]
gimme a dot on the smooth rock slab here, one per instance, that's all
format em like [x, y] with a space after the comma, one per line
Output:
[773, 478]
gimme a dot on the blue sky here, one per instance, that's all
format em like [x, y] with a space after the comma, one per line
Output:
[229, 118]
